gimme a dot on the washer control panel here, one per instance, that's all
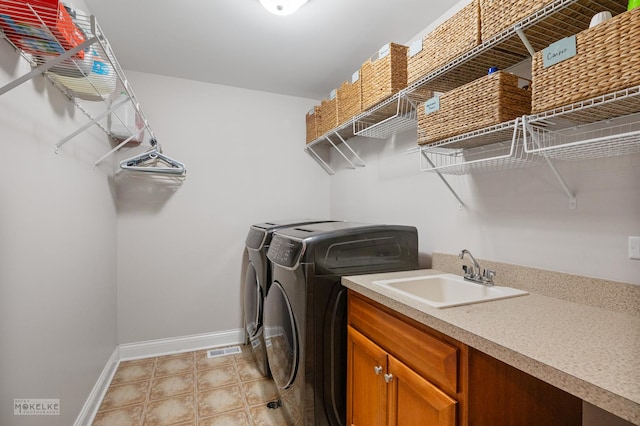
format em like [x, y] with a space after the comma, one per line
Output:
[256, 238]
[285, 252]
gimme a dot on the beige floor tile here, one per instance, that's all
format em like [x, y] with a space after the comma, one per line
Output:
[133, 371]
[165, 387]
[203, 362]
[123, 395]
[244, 356]
[219, 400]
[263, 416]
[127, 416]
[234, 418]
[190, 389]
[260, 391]
[223, 375]
[170, 411]
[174, 356]
[249, 371]
[173, 366]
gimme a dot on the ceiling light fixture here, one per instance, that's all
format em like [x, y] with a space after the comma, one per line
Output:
[282, 7]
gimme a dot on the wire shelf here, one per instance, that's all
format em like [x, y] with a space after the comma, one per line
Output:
[587, 142]
[485, 136]
[616, 104]
[70, 49]
[497, 156]
[388, 118]
[559, 19]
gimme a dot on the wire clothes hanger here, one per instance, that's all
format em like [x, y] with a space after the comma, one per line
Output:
[149, 162]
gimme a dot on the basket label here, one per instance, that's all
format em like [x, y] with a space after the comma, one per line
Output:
[332, 95]
[432, 105]
[415, 48]
[559, 51]
[384, 51]
[355, 76]
[311, 111]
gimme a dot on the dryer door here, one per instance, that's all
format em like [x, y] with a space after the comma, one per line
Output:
[280, 336]
[253, 300]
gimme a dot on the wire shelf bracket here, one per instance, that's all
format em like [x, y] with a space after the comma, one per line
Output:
[527, 129]
[353, 159]
[446, 183]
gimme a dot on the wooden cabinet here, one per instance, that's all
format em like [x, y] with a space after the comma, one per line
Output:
[397, 373]
[384, 391]
[367, 392]
[401, 372]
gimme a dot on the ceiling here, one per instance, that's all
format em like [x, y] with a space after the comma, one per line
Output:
[238, 43]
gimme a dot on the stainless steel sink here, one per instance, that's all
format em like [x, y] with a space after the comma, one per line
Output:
[446, 290]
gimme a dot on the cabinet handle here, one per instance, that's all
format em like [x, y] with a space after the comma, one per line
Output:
[377, 369]
[388, 378]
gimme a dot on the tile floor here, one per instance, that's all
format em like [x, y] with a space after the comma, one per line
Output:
[189, 389]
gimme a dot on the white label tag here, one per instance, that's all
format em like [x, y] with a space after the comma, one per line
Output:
[311, 111]
[355, 76]
[432, 105]
[415, 48]
[332, 95]
[559, 51]
[384, 51]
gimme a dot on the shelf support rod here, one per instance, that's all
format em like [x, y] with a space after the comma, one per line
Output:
[362, 163]
[573, 203]
[90, 123]
[426, 157]
[120, 145]
[45, 67]
[320, 161]
[525, 40]
[353, 166]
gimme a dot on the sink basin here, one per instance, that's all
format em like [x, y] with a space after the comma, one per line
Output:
[446, 290]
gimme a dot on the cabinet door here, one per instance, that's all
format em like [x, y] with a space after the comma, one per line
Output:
[366, 388]
[415, 401]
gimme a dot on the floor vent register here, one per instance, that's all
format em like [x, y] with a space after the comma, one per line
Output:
[231, 350]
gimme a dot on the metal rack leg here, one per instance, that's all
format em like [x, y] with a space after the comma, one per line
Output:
[573, 202]
[460, 203]
[90, 123]
[525, 41]
[320, 161]
[362, 163]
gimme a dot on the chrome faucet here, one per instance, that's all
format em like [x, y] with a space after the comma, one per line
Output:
[475, 273]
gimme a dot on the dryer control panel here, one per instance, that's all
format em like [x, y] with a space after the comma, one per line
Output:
[285, 252]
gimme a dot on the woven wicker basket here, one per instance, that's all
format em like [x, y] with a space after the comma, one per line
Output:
[607, 60]
[328, 115]
[383, 74]
[454, 37]
[487, 101]
[349, 100]
[498, 15]
[313, 122]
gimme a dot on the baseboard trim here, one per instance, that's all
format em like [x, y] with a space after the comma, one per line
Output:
[174, 345]
[92, 404]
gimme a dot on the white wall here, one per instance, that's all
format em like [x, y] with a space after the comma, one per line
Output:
[57, 251]
[520, 216]
[180, 255]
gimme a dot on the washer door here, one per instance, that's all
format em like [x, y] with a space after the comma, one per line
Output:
[280, 336]
[253, 300]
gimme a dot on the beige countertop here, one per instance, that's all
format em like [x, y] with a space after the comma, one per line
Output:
[590, 352]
